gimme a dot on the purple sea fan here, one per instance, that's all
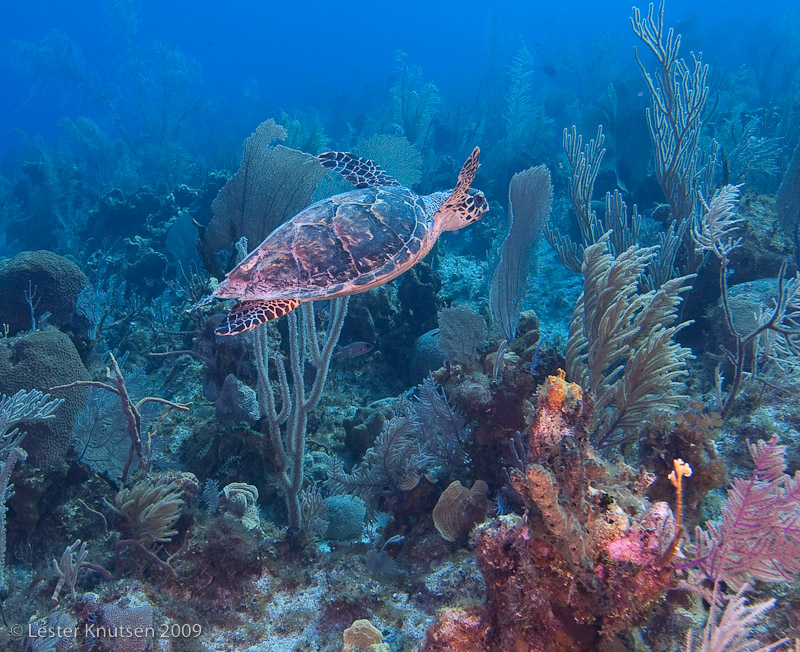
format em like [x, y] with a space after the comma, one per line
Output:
[758, 537]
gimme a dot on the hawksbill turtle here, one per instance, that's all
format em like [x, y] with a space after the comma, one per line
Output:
[346, 244]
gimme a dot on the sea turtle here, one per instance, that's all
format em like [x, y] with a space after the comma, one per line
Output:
[346, 244]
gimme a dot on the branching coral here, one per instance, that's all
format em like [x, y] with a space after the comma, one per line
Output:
[24, 406]
[776, 334]
[757, 537]
[735, 629]
[678, 95]
[414, 103]
[140, 441]
[285, 410]
[73, 560]
[621, 226]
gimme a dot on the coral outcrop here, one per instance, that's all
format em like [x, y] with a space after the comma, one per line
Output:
[52, 282]
[586, 562]
[41, 360]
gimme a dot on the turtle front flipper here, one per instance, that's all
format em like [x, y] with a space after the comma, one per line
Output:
[361, 172]
[463, 206]
[249, 314]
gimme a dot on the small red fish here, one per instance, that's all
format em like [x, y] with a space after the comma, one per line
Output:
[353, 350]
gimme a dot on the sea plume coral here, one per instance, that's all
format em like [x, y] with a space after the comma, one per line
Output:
[622, 344]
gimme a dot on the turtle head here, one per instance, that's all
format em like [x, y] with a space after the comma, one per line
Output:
[463, 206]
[472, 208]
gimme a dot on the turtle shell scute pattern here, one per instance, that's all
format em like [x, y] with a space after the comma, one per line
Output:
[358, 239]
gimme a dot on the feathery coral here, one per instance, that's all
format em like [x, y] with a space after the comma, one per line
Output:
[758, 537]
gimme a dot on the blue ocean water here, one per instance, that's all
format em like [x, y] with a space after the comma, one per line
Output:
[263, 57]
[422, 326]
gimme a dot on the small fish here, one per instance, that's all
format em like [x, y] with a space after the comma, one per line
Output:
[397, 538]
[353, 350]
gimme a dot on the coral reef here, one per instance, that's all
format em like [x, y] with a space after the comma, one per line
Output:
[586, 446]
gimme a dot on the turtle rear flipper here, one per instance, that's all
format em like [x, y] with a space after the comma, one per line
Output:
[361, 172]
[463, 207]
[249, 314]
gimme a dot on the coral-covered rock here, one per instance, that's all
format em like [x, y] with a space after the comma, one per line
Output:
[744, 301]
[61, 623]
[472, 394]
[42, 360]
[526, 344]
[426, 356]
[418, 295]
[586, 563]
[54, 281]
[499, 408]
[236, 402]
[141, 213]
[457, 630]
[765, 245]
[363, 428]
[144, 268]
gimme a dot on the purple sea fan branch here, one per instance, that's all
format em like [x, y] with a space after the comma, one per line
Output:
[758, 537]
[442, 426]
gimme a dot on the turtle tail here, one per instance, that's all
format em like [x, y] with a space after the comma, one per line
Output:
[249, 314]
[463, 206]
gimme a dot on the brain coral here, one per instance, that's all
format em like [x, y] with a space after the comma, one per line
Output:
[56, 281]
[345, 515]
[40, 360]
[132, 613]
